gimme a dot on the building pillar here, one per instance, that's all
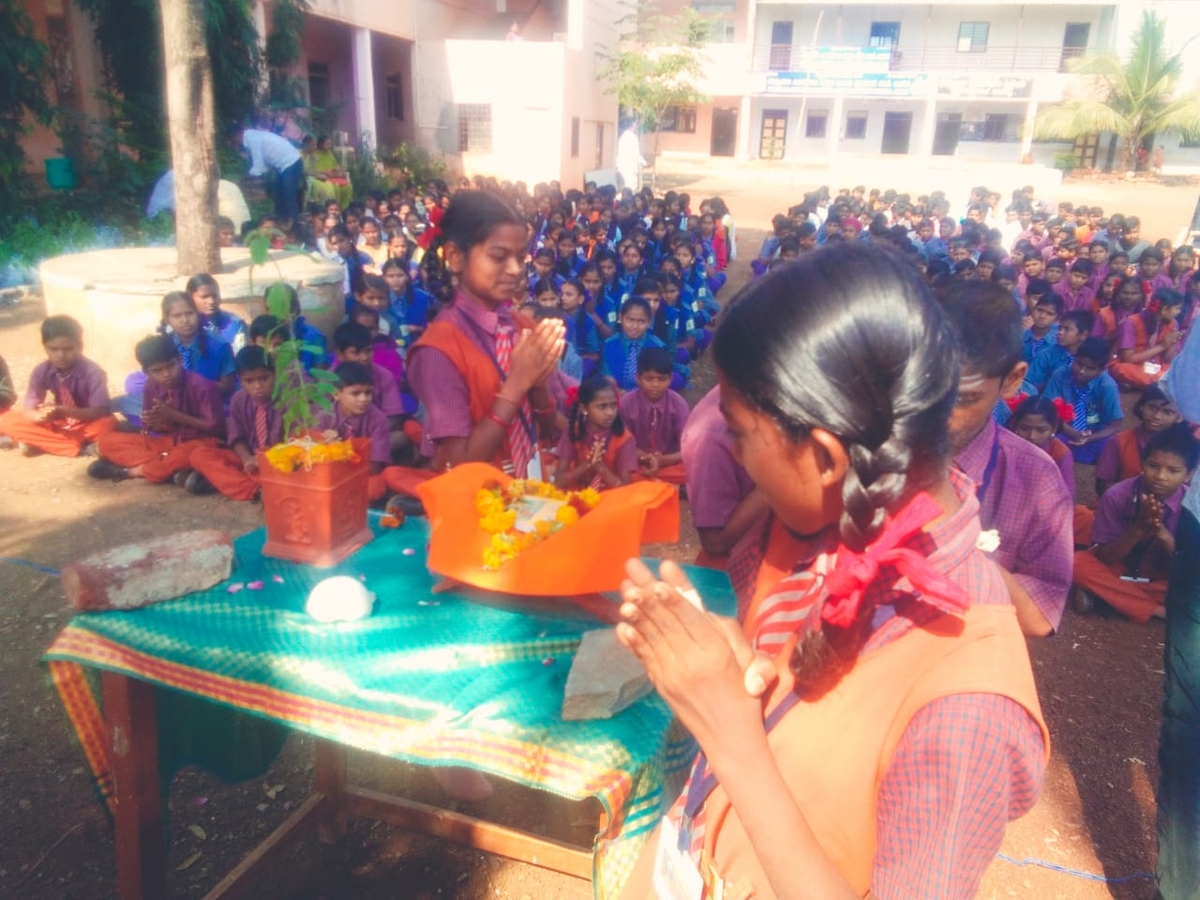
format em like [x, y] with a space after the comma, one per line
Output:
[364, 88]
[928, 128]
[1031, 111]
[833, 126]
[745, 129]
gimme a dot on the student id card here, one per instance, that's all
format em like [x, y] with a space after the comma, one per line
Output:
[675, 875]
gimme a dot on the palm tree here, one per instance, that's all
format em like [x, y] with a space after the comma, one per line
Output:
[1134, 99]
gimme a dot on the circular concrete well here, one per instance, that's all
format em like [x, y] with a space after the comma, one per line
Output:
[116, 295]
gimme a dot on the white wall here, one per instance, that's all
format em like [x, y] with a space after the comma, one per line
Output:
[849, 25]
[524, 86]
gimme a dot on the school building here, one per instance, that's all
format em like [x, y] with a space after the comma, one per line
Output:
[453, 77]
[810, 81]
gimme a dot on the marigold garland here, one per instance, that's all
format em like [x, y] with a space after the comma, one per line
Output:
[304, 453]
[494, 505]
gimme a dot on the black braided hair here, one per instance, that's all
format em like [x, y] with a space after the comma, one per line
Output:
[848, 339]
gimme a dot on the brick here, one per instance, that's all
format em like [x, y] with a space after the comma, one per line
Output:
[147, 572]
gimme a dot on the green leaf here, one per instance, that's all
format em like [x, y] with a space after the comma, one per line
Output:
[279, 298]
[259, 245]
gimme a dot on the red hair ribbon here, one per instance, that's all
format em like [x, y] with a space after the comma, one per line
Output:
[855, 572]
[1013, 402]
[572, 394]
[1154, 306]
[1066, 412]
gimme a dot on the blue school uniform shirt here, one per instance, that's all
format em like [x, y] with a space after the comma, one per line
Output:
[310, 335]
[616, 354]
[1103, 396]
[353, 266]
[228, 327]
[1032, 346]
[214, 361]
[1045, 364]
[410, 309]
[583, 334]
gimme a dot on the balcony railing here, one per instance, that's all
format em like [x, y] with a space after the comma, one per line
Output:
[838, 61]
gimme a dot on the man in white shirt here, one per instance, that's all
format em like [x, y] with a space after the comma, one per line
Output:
[270, 151]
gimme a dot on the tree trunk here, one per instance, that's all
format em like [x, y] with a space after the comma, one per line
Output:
[191, 123]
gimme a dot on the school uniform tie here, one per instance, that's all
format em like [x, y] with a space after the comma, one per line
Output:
[67, 399]
[654, 448]
[261, 432]
[187, 356]
[1082, 396]
[629, 373]
[520, 444]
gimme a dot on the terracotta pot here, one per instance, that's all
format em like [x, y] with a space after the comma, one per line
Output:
[318, 517]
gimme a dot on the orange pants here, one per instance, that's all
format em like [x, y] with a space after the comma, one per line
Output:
[51, 438]
[711, 562]
[1133, 375]
[159, 457]
[223, 468]
[1136, 599]
[1084, 518]
[404, 480]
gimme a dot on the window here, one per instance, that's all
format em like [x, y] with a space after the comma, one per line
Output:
[395, 99]
[972, 37]
[856, 126]
[814, 125]
[318, 85]
[679, 118]
[999, 127]
[884, 34]
[718, 17]
[574, 137]
[474, 128]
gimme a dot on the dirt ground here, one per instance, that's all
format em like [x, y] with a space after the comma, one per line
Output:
[1090, 836]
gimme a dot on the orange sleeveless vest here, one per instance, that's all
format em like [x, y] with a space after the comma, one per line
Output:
[1058, 449]
[580, 450]
[834, 752]
[476, 367]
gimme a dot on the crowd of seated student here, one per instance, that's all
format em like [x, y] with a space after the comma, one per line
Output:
[1065, 306]
[204, 401]
[1101, 312]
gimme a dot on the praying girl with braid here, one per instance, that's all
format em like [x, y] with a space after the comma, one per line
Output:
[871, 724]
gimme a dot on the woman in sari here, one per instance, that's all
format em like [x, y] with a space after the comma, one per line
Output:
[326, 179]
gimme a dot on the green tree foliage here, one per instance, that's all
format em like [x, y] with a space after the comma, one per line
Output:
[658, 65]
[284, 49]
[1134, 99]
[130, 39]
[23, 99]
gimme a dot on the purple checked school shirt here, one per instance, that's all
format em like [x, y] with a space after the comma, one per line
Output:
[637, 412]
[1023, 497]
[85, 380]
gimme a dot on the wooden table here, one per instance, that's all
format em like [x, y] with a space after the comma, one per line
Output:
[131, 728]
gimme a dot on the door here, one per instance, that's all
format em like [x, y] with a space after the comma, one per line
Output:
[945, 134]
[1075, 41]
[897, 131]
[774, 134]
[781, 47]
[724, 132]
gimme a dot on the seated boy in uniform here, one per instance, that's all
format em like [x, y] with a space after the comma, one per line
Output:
[655, 416]
[255, 423]
[1133, 536]
[66, 406]
[181, 412]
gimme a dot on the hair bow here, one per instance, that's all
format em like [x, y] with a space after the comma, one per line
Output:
[572, 394]
[1066, 412]
[1013, 402]
[1154, 306]
[854, 572]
